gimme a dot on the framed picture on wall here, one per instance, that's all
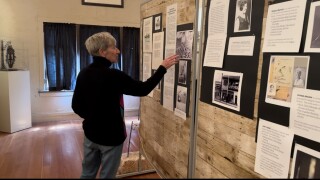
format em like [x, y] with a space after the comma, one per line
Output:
[157, 20]
[107, 3]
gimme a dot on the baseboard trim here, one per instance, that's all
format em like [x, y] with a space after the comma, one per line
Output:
[37, 117]
[131, 112]
[55, 117]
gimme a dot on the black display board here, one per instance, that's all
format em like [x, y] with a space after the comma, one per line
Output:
[280, 114]
[248, 65]
[182, 27]
[186, 84]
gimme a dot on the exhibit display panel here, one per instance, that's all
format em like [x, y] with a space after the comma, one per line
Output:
[252, 106]
[168, 28]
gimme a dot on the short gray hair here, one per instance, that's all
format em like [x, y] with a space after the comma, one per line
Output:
[98, 41]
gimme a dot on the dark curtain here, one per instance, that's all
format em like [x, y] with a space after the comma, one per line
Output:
[60, 54]
[131, 51]
[88, 30]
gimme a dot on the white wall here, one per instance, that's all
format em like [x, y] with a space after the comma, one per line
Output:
[21, 22]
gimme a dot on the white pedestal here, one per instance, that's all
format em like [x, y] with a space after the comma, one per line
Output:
[15, 105]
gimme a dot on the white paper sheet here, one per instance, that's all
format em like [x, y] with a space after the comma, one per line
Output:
[168, 89]
[170, 49]
[146, 66]
[305, 163]
[215, 51]
[218, 17]
[313, 33]
[147, 34]
[273, 150]
[286, 72]
[217, 33]
[147, 69]
[226, 89]
[305, 113]
[171, 28]
[241, 46]
[284, 26]
[157, 54]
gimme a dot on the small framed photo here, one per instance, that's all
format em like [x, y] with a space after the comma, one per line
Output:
[107, 3]
[157, 23]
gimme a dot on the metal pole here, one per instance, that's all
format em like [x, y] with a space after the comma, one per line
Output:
[129, 139]
[196, 92]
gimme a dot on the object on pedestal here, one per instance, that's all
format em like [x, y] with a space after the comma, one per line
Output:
[10, 57]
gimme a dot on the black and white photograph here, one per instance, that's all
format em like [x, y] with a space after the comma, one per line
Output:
[306, 163]
[271, 90]
[315, 40]
[184, 44]
[313, 32]
[182, 78]
[227, 89]
[181, 102]
[157, 20]
[242, 21]
[299, 77]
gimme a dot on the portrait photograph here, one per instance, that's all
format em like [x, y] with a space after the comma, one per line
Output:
[182, 78]
[313, 32]
[242, 21]
[271, 91]
[184, 44]
[299, 77]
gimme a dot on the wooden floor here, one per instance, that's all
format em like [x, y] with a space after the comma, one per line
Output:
[51, 150]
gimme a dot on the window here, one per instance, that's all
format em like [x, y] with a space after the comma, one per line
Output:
[66, 55]
[60, 55]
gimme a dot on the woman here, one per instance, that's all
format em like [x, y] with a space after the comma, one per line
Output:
[98, 100]
[242, 22]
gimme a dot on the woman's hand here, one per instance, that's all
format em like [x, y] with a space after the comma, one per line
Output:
[168, 62]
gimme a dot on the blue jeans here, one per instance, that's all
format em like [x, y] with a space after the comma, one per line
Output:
[94, 155]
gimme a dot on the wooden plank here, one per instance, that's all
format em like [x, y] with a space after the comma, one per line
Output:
[223, 165]
[205, 170]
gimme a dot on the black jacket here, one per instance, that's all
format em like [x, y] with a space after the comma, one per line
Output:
[98, 100]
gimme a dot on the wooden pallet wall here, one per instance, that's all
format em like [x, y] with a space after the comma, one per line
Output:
[225, 141]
